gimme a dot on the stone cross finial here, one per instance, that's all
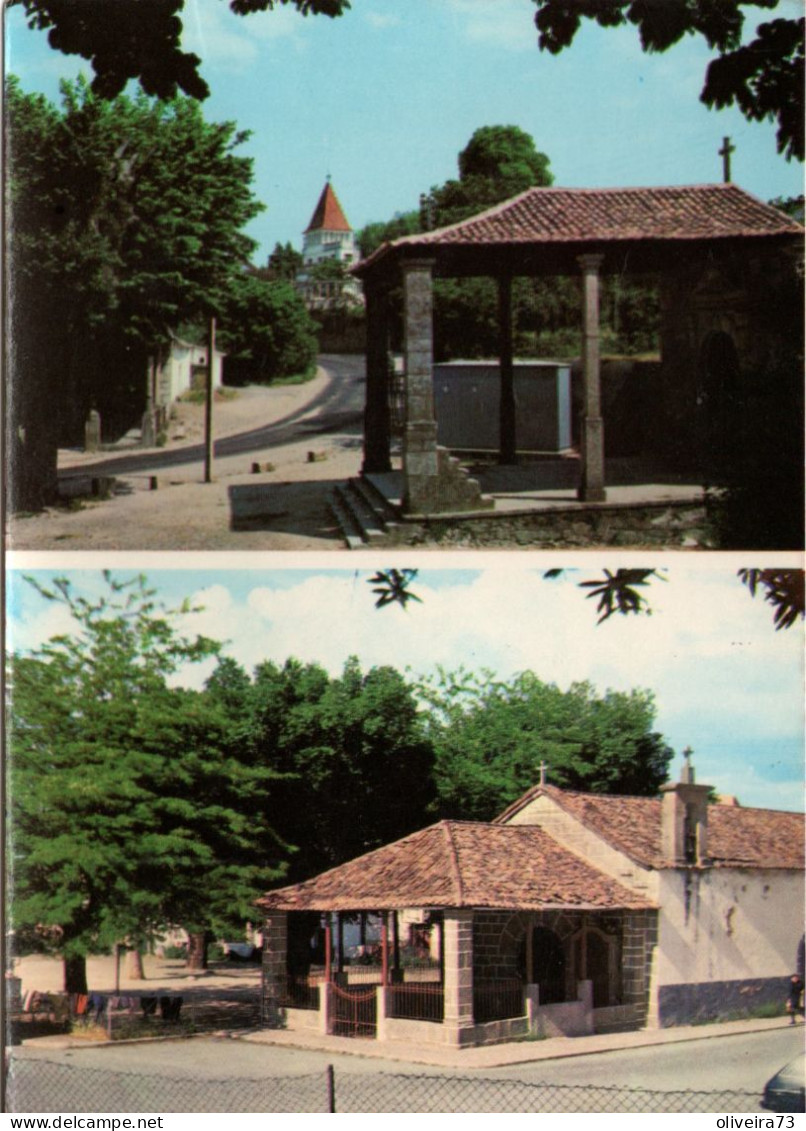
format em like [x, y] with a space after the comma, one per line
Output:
[687, 772]
[543, 768]
[725, 153]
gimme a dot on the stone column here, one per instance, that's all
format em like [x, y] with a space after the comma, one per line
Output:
[458, 974]
[533, 1007]
[592, 487]
[377, 417]
[507, 447]
[275, 965]
[420, 460]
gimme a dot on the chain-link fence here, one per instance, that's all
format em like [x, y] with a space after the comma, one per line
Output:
[45, 1086]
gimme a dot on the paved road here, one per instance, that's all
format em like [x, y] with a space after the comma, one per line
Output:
[743, 1062]
[214, 1075]
[339, 408]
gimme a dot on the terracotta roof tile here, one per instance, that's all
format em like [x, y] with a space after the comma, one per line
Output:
[560, 215]
[737, 837]
[328, 214]
[460, 864]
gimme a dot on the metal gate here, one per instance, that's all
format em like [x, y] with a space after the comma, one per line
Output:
[353, 1011]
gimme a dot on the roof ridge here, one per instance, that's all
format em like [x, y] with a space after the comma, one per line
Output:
[453, 856]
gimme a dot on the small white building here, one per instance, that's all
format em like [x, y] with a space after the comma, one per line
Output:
[183, 366]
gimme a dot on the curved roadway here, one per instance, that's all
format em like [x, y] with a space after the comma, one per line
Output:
[338, 408]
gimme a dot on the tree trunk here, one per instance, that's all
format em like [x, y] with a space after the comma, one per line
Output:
[197, 950]
[134, 966]
[75, 975]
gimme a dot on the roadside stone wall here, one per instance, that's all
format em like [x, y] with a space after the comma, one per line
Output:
[672, 525]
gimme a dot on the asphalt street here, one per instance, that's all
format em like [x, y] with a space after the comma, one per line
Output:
[339, 407]
[741, 1062]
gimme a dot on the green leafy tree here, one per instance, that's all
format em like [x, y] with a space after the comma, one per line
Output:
[266, 330]
[490, 738]
[354, 764]
[379, 232]
[763, 78]
[284, 263]
[125, 219]
[497, 163]
[140, 39]
[129, 811]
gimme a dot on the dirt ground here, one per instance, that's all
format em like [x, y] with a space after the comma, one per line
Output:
[40, 972]
[280, 509]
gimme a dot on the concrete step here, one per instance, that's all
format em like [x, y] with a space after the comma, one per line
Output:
[347, 523]
[387, 516]
[369, 523]
[363, 514]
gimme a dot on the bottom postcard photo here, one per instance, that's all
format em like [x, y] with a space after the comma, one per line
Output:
[456, 838]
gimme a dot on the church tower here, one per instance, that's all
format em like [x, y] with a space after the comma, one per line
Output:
[327, 239]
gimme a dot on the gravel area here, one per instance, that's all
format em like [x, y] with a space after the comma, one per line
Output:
[283, 508]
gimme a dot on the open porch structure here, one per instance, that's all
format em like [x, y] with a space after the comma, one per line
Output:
[723, 258]
[460, 934]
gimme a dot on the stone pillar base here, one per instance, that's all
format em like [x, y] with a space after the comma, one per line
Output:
[449, 489]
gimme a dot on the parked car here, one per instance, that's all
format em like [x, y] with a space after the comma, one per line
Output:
[786, 1090]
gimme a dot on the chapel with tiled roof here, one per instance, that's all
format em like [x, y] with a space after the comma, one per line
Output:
[569, 913]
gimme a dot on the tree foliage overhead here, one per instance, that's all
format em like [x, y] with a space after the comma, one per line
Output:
[140, 39]
[130, 811]
[490, 738]
[763, 78]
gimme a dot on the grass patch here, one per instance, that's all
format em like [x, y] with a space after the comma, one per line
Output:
[199, 396]
[296, 378]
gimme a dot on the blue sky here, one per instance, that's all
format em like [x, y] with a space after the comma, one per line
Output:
[724, 681]
[385, 97]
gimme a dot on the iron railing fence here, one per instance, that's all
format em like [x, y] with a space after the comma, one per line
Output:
[353, 1011]
[498, 1001]
[416, 1001]
[38, 1085]
[300, 992]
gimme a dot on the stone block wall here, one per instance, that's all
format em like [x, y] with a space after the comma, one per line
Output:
[639, 941]
[498, 942]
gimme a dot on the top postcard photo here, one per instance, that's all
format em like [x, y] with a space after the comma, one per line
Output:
[453, 274]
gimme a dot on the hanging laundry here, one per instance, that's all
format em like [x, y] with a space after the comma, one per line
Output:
[79, 1003]
[170, 1008]
[148, 1006]
[97, 1005]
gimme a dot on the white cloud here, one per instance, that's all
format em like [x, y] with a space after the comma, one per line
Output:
[723, 679]
[222, 39]
[507, 24]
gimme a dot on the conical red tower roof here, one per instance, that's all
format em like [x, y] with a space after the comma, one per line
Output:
[328, 214]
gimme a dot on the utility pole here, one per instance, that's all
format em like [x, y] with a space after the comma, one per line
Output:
[725, 153]
[208, 406]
